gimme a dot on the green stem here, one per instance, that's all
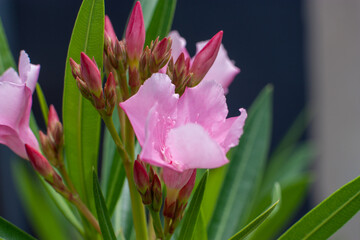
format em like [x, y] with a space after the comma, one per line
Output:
[157, 224]
[138, 210]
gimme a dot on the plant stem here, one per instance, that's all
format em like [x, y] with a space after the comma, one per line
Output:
[138, 210]
[157, 223]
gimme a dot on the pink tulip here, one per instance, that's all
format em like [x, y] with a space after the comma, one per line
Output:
[223, 69]
[183, 133]
[16, 91]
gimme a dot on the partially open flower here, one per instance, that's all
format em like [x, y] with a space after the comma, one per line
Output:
[17, 89]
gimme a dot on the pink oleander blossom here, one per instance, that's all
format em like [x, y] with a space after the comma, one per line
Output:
[223, 70]
[16, 94]
[182, 133]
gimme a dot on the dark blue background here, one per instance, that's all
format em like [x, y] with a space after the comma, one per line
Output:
[265, 38]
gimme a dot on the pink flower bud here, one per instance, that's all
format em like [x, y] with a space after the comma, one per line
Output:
[53, 117]
[141, 177]
[110, 94]
[75, 68]
[39, 162]
[156, 193]
[135, 33]
[91, 75]
[109, 30]
[205, 59]
[185, 192]
[48, 148]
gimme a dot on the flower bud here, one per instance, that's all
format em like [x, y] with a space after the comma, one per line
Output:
[109, 30]
[161, 52]
[91, 75]
[141, 179]
[48, 148]
[156, 193]
[42, 166]
[205, 59]
[83, 88]
[134, 77]
[179, 73]
[186, 191]
[135, 34]
[110, 94]
[75, 68]
[169, 209]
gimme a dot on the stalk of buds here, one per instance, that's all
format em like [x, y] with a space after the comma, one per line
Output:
[148, 185]
[52, 144]
[155, 57]
[43, 167]
[179, 73]
[176, 202]
[88, 78]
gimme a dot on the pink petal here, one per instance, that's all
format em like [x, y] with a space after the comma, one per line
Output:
[178, 45]
[16, 104]
[204, 104]
[223, 70]
[29, 73]
[176, 180]
[229, 133]
[12, 76]
[159, 90]
[192, 147]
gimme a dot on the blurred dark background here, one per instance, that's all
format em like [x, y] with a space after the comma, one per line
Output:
[264, 38]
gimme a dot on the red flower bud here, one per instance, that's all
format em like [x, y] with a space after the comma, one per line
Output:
[157, 194]
[109, 30]
[205, 59]
[75, 68]
[110, 94]
[135, 33]
[40, 163]
[91, 75]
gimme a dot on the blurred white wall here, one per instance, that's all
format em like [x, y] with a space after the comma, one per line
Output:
[333, 58]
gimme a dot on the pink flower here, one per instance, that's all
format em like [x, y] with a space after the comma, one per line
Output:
[16, 94]
[181, 134]
[223, 70]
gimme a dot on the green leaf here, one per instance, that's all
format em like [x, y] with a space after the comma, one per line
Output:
[244, 172]
[330, 215]
[148, 8]
[63, 206]
[81, 120]
[161, 20]
[6, 59]
[200, 227]
[292, 195]
[191, 216]
[39, 207]
[43, 104]
[102, 212]
[214, 183]
[113, 171]
[9, 231]
[254, 224]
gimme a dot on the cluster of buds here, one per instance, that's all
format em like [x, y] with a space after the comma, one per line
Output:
[154, 57]
[185, 74]
[43, 167]
[148, 185]
[52, 144]
[176, 202]
[88, 79]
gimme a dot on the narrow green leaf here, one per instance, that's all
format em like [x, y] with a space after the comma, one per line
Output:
[102, 212]
[81, 120]
[244, 172]
[161, 20]
[148, 8]
[200, 232]
[330, 215]
[9, 231]
[38, 205]
[63, 206]
[43, 103]
[292, 195]
[6, 58]
[191, 216]
[254, 224]
[214, 183]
